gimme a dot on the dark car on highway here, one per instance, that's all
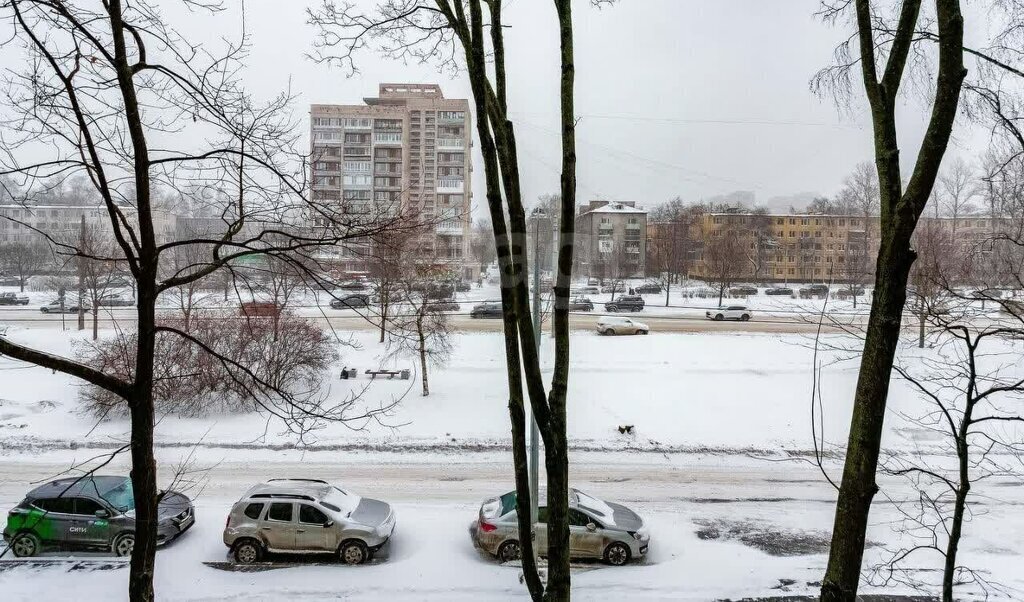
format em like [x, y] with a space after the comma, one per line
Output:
[581, 304]
[648, 288]
[13, 299]
[89, 513]
[443, 305]
[356, 301]
[486, 310]
[743, 291]
[625, 303]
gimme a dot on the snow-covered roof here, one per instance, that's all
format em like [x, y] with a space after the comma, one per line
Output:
[616, 208]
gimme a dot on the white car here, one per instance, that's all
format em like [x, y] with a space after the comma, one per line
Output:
[612, 325]
[732, 312]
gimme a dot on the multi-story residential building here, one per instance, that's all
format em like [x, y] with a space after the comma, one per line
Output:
[406, 152]
[611, 239]
[24, 223]
[814, 247]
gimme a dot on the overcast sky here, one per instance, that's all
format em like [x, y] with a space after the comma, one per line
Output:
[687, 98]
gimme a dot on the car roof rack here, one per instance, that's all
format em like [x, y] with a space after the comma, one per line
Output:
[301, 480]
[299, 496]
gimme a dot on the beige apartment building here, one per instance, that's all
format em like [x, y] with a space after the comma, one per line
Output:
[406, 150]
[611, 239]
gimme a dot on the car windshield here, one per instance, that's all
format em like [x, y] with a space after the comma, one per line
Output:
[340, 500]
[120, 497]
[596, 507]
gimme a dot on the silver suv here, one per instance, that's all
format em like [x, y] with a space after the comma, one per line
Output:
[307, 516]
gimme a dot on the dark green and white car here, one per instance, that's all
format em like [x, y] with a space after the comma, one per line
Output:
[89, 513]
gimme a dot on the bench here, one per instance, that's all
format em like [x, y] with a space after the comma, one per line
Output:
[403, 374]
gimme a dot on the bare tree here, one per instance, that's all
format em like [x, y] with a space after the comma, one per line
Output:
[882, 52]
[957, 188]
[725, 259]
[422, 329]
[99, 83]
[481, 244]
[671, 248]
[25, 260]
[96, 258]
[471, 35]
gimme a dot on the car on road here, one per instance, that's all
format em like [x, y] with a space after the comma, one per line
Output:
[54, 307]
[585, 290]
[443, 305]
[612, 325]
[356, 301]
[486, 310]
[731, 312]
[614, 287]
[779, 291]
[89, 513]
[581, 304]
[307, 516]
[850, 292]
[648, 288]
[463, 286]
[597, 529]
[114, 300]
[743, 291]
[13, 299]
[625, 303]
[814, 290]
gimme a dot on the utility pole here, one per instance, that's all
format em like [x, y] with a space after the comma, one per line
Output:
[81, 274]
[534, 432]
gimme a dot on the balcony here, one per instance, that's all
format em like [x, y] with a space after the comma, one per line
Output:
[444, 144]
[387, 138]
[449, 229]
[450, 186]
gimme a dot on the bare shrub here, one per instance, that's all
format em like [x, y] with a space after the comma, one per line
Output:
[242, 361]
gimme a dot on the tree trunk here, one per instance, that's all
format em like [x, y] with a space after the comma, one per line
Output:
[920, 332]
[423, 359]
[143, 473]
[955, 531]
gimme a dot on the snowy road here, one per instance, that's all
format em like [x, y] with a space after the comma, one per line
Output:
[723, 527]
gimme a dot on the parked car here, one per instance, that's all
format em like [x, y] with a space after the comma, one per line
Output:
[259, 309]
[13, 299]
[54, 307]
[486, 310]
[612, 325]
[732, 312]
[593, 282]
[779, 291]
[648, 288]
[625, 303]
[354, 285]
[10, 281]
[597, 529]
[114, 300]
[463, 286]
[91, 513]
[581, 304]
[443, 305]
[356, 301]
[614, 287]
[743, 291]
[307, 516]
[813, 290]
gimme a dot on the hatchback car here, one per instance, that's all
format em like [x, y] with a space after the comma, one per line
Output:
[581, 304]
[611, 325]
[442, 305]
[625, 303]
[648, 288]
[307, 516]
[732, 312]
[69, 307]
[13, 299]
[90, 513]
[597, 529]
[356, 301]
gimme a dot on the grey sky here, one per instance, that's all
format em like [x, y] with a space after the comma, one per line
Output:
[676, 97]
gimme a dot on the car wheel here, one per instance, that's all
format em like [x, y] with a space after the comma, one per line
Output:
[44, 310]
[719, 317]
[353, 551]
[644, 332]
[745, 317]
[25, 545]
[124, 545]
[247, 551]
[509, 551]
[617, 554]
[609, 332]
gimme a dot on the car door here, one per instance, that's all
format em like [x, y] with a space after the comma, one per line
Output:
[540, 527]
[54, 523]
[88, 529]
[312, 533]
[584, 542]
[279, 526]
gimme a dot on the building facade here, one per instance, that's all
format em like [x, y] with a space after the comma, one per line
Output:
[406, 151]
[611, 240]
[22, 223]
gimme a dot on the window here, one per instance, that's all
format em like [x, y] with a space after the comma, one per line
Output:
[63, 505]
[578, 519]
[254, 511]
[311, 516]
[280, 511]
[87, 507]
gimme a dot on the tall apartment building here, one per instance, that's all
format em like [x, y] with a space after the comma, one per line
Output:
[406, 150]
